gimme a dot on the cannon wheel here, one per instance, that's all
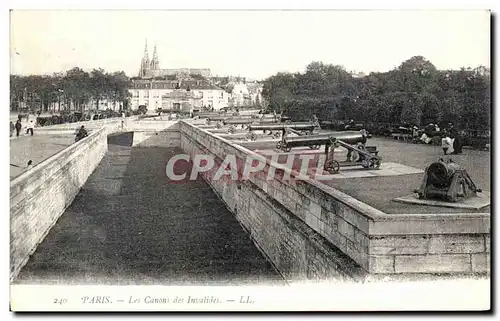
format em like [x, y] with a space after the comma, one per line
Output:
[315, 146]
[332, 166]
[374, 163]
[277, 134]
[253, 136]
[279, 145]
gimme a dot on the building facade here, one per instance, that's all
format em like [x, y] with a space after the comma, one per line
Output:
[174, 89]
[155, 94]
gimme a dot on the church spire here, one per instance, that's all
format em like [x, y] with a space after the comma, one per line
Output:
[146, 56]
[155, 63]
[145, 65]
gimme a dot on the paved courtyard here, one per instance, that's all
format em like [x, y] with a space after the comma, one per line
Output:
[36, 148]
[379, 190]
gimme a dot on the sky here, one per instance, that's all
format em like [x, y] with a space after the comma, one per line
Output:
[254, 44]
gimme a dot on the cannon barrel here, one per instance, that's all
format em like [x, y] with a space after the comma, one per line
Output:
[441, 172]
[238, 121]
[267, 121]
[297, 126]
[218, 118]
[349, 137]
[269, 116]
[207, 115]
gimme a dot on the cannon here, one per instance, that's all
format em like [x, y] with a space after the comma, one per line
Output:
[238, 121]
[268, 120]
[208, 115]
[448, 181]
[218, 118]
[353, 141]
[300, 128]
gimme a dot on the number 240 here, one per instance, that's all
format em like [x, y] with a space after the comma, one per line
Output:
[60, 301]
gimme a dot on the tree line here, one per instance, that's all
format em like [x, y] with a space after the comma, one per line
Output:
[415, 93]
[69, 91]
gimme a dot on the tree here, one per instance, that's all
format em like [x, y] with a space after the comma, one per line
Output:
[98, 85]
[76, 87]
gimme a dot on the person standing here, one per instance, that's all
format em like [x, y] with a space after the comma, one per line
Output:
[18, 127]
[457, 141]
[12, 128]
[447, 144]
[30, 127]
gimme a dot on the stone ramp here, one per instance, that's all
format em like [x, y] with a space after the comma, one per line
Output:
[131, 225]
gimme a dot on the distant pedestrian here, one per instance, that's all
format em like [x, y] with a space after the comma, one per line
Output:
[82, 133]
[447, 144]
[414, 132]
[30, 127]
[30, 165]
[18, 126]
[349, 125]
[457, 141]
[12, 128]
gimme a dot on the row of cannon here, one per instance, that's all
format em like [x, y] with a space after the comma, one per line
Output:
[443, 180]
[305, 136]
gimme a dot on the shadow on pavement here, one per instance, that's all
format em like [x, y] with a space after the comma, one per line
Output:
[121, 139]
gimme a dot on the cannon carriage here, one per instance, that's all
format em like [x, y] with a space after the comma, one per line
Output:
[354, 142]
[243, 121]
[281, 130]
[279, 126]
[447, 181]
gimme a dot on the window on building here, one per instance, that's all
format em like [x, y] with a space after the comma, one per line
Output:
[135, 93]
[146, 94]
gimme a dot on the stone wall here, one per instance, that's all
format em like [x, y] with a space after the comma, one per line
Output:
[155, 133]
[379, 243]
[39, 196]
